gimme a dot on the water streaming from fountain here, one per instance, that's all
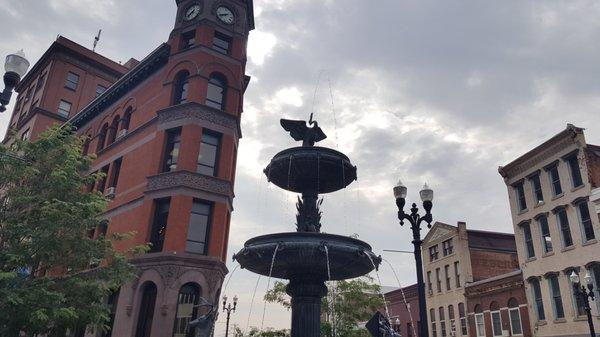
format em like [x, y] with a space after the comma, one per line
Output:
[406, 304]
[387, 312]
[252, 302]
[269, 285]
[331, 303]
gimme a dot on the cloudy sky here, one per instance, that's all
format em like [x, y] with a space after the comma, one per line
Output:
[435, 91]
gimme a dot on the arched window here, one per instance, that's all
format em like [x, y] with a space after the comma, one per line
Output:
[126, 119]
[102, 137]
[463, 319]
[180, 92]
[189, 296]
[479, 322]
[86, 145]
[146, 313]
[112, 304]
[217, 88]
[496, 319]
[433, 325]
[515, 317]
[112, 131]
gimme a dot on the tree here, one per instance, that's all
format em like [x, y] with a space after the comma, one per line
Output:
[255, 332]
[347, 305]
[55, 276]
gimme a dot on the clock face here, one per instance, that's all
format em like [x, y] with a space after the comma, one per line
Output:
[192, 12]
[226, 15]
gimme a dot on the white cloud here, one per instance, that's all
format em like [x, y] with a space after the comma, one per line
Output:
[260, 46]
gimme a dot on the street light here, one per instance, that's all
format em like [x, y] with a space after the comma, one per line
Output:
[415, 224]
[16, 66]
[227, 307]
[585, 295]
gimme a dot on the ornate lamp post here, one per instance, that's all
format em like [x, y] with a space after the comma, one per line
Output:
[584, 295]
[16, 66]
[415, 221]
[227, 307]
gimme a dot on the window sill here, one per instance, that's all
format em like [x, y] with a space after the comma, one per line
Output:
[559, 320]
[73, 90]
[530, 259]
[566, 249]
[548, 254]
[580, 319]
[558, 196]
[590, 242]
[539, 204]
[577, 187]
[523, 211]
[541, 323]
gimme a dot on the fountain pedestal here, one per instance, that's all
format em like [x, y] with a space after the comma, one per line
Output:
[306, 306]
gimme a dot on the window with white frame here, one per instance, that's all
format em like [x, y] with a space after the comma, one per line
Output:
[575, 170]
[514, 315]
[542, 220]
[585, 221]
[520, 194]
[479, 322]
[564, 227]
[537, 297]
[442, 322]
[557, 304]
[447, 247]
[433, 326]
[496, 319]
[578, 303]
[528, 240]
[536, 188]
[554, 179]
[463, 319]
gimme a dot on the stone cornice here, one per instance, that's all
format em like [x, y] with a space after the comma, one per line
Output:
[201, 114]
[191, 180]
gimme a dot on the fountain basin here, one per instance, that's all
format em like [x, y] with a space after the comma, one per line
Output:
[303, 255]
[319, 169]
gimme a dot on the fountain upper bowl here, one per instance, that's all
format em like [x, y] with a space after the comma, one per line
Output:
[303, 254]
[301, 169]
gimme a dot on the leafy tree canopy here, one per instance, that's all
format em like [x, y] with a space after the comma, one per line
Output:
[55, 275]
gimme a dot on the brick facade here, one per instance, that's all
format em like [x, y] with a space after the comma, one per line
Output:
[404, 319]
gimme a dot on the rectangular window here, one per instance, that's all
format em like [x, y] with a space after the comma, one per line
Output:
[447, 274]
[221, 43]
[565, 229]
[172, 150]
[457, 273]
[114, 179]
[520, 193]
[557, 304]
[40, 82]
[528, 241]
[536, 187]
[429, 285]
[480, 325]
[452, 321]
[515, 321]
[433, 325]
[188, 39]
[208, 157]
[102, 181]
[555, 180]
[100, 90]
[64, 108]
[585, 221]
[442, 322]
[159, 227]
[537, 296]
[199, 227]
[545, 231]
[463, 319]
[433, 253]
[447, 247]
[26, 135]
[496, 323]
[438, 280]
[575, 170]
[72, 81]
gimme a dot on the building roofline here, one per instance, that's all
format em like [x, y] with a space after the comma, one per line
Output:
[64, 44]
[478, 231]
[154, 61]
[569, 130]
[495, 278]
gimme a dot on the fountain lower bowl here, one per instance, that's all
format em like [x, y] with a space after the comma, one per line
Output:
[303, 255]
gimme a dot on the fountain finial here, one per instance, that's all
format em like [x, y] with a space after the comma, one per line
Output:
[300, 132]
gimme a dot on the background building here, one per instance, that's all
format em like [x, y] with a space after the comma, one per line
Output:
[498, 306]
[404, 316]
[454, 257]
[556, 227]
[165, 131]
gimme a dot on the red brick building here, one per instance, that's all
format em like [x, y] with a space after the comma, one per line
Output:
[165, 131]
[401, 312]
[498, 306]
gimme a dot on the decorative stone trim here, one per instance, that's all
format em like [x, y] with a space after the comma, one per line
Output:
[191, 180]
[195, 113]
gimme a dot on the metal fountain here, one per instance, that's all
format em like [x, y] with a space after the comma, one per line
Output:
[301, 256]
